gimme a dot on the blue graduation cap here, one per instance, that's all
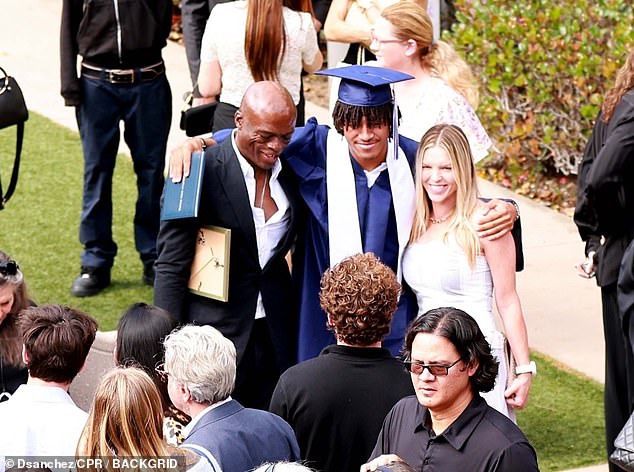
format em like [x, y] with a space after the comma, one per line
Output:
[368, 86]
[365, 86]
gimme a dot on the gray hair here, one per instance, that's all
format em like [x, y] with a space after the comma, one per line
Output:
[203, 360]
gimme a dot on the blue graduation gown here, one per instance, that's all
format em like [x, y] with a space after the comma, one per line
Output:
[306, 156]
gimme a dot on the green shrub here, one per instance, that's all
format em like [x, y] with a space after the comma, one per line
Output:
[543, 67]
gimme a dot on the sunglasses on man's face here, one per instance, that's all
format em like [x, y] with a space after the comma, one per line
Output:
[8, 268]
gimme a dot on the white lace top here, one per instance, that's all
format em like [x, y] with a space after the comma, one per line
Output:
[439, 103]
[440, 275]
[223, 40]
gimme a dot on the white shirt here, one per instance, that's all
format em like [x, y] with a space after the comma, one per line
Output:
[40, 421]
[374, 174]
[269, 233]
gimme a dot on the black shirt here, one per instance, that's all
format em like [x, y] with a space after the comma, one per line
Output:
[481, 439]
[336, 403]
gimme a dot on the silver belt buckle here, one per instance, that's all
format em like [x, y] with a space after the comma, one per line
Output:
[121, 76]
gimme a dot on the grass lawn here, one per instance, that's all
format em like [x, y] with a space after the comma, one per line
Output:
[39, 227]
[564, 417]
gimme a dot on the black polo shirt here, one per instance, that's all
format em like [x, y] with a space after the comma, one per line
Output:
[481, 439]
[337, 402]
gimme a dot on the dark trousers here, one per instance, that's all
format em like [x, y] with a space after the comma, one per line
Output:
[257, 373]
[145, 107]
[619, 370]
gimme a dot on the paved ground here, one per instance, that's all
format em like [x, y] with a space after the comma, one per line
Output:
[562, 310]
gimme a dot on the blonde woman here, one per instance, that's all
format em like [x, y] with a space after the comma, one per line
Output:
[126, 420]
[443, 89]
[447, 265]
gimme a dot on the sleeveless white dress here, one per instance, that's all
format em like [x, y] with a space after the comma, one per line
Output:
[440, 276]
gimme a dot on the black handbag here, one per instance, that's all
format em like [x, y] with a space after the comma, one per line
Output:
[623, 454]
[197, 120]
[12, 112]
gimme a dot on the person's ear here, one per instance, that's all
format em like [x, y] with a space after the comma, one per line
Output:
[183, 392]
[411, 47]
[25, 356]
[238, 119]
[472, 367]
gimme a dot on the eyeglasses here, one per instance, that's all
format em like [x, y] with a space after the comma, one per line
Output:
[9, 268]
[437, 370]
[381, 42]
[160, 370]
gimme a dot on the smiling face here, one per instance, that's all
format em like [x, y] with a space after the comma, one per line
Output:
[368, 144]
[438, 177]
[440, 393]
[265, 123]
[261, 137]
[7, 296]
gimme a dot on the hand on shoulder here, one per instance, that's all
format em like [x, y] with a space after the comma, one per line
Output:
[495, 218]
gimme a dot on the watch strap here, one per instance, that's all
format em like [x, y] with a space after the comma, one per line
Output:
[530, 368]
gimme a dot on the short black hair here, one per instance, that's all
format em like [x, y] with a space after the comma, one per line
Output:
[465, 334]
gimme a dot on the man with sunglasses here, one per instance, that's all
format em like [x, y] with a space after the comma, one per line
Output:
[447, 425]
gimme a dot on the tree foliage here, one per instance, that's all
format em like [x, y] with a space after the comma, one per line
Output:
[543, 68]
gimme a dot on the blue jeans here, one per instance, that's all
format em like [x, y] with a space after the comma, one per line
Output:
[145, 107]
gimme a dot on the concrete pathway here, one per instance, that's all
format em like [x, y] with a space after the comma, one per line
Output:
[563, 311]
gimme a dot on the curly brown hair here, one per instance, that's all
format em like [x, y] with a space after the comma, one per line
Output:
[360, 296]
[623, 83]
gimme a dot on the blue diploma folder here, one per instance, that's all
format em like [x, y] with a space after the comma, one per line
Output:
[181, 200]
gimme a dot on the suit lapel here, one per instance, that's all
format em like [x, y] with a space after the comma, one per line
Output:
[234, 187]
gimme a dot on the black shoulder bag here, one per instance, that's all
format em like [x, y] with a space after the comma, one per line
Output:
[12, 112]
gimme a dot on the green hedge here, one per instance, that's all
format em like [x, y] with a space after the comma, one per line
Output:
[543, 67]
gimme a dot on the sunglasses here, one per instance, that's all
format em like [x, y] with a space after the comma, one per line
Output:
[9, 268]
[437, 370]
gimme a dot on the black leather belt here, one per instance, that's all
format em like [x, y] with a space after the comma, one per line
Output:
[123, 76]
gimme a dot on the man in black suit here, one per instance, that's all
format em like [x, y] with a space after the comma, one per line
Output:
[246, 190]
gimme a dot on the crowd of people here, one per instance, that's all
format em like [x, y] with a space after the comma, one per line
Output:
[358, 330]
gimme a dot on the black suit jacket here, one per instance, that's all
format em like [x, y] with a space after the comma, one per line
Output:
[605, 190]
[225, 202]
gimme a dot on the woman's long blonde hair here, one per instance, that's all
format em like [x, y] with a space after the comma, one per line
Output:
[410, 21]
[454, 142]
[126, 418]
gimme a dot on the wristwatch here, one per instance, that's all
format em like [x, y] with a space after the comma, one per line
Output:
[530, 368]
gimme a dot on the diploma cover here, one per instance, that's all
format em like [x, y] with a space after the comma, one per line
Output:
[210, 266]
[181, 200]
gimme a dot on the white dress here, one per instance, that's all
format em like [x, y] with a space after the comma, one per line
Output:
[439, 103]
[440, 276]
[223, 41]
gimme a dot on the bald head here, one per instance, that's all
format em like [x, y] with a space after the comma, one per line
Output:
[268, 98]
[265, 123]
